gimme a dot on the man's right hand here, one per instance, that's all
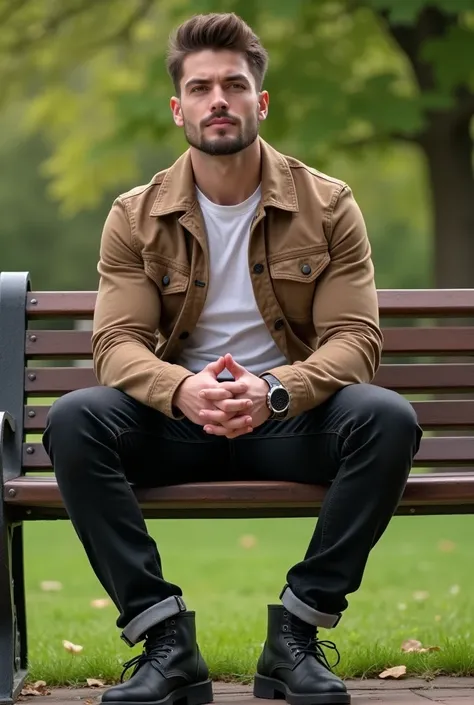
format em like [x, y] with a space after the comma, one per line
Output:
[188, 400]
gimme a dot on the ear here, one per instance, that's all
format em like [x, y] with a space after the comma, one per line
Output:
[175, 105]
[263, 103]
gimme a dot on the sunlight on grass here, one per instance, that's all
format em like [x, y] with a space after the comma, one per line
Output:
[418, 585]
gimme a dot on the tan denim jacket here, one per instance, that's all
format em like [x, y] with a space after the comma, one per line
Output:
[310, 266]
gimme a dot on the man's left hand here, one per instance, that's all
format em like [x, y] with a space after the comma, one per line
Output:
[257, 389]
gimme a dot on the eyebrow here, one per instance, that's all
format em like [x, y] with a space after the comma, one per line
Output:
[201, 81]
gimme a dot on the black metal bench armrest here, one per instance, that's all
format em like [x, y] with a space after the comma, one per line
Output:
[7, 451]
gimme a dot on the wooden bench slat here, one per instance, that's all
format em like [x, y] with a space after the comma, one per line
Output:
[446, 414]
[407, 302]
[452, 450]
[250, 498]
[455, 377]
[42, 344]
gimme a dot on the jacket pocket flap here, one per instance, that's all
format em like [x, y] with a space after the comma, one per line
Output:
[168, 279]
[299, 267]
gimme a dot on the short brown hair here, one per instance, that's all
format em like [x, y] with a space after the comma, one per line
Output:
[216, 31]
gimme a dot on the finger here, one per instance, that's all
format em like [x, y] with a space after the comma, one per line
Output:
[233, 406]
[217, 394]
[236, 422]
[234, 368]
[211, 417]
[235, 388]
[214, 416]
[216, 367]
[228, 433]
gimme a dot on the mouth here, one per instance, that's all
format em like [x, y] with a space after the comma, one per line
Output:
[220, 121]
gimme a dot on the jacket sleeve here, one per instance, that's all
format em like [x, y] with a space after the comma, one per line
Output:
[126, 318]
[345, 313]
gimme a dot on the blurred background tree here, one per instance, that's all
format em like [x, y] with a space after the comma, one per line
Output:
[377, 92]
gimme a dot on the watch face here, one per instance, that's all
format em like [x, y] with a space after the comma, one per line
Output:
[280, 399]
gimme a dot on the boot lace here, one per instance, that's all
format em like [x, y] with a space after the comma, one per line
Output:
[300, 642]
[159, 648]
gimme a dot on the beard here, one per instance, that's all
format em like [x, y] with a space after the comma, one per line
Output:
[222, 144]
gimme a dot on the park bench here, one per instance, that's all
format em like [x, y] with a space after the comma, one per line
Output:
[428, 349]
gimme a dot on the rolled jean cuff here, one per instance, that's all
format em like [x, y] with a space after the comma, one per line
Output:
[308, 614]
[137, 628]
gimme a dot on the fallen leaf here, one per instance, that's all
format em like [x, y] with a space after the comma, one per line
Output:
[101, 603]
[37, 688]
[72, 648]
[454, 590]
[421, 595]
[94, 683]
[247, 541]
[446, 546]
[415, 646]
[438, 618]
[51, 585]
[411, 645]
[395, 672]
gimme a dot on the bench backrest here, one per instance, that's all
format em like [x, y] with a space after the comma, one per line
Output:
[427, 357]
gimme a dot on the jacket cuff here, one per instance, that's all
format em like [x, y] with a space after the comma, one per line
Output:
[301, 397]
[164, 388]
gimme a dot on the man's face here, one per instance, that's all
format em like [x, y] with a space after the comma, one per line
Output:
[219, 107]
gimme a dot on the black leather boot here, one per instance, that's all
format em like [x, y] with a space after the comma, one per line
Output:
[170, 668]
[293, 665]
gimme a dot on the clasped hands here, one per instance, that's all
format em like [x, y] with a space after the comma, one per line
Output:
[228, 409]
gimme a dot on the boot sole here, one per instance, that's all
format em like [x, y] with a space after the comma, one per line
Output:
[195, 694]
[272, 689]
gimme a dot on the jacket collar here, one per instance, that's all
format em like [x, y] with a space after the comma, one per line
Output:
[177, 191]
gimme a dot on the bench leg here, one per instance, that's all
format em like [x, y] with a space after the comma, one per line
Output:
[13, 655]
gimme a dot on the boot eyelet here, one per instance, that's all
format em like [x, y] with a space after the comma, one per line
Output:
[173, 641]
[285, 614]
[172, 621]
[165, 656]
[285, 627]
[174, 631]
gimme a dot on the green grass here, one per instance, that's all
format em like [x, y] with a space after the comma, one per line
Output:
[229, 586]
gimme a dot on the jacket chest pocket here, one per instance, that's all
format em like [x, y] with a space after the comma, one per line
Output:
[295, 277]
[172, 282]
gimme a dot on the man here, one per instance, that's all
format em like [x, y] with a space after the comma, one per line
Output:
[252, 273]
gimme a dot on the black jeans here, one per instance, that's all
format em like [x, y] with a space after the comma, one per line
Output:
[101, 441]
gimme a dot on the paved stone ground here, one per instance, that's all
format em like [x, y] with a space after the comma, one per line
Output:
[451, 691]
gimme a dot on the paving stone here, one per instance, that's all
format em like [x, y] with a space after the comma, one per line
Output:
[411, 691]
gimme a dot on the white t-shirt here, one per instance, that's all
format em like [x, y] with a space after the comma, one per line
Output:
[230, 321]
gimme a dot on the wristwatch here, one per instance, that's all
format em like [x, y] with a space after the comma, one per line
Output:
[278, 397]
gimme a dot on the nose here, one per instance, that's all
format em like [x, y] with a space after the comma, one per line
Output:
[218, 101]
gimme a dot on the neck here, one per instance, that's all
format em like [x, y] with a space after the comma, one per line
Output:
[229, 179]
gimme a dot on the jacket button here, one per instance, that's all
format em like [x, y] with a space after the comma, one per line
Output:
[279, 324]
[306, 269]
[258, 268]
[184, 335]
[166, 280]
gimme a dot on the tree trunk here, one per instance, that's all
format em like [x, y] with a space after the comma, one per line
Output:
[448, 149]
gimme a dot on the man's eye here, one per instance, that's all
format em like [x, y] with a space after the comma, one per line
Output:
[197, 88]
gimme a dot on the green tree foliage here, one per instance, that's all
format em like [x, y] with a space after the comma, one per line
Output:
[345, 75]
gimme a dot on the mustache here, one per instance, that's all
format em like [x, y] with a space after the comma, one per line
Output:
[219, 115]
